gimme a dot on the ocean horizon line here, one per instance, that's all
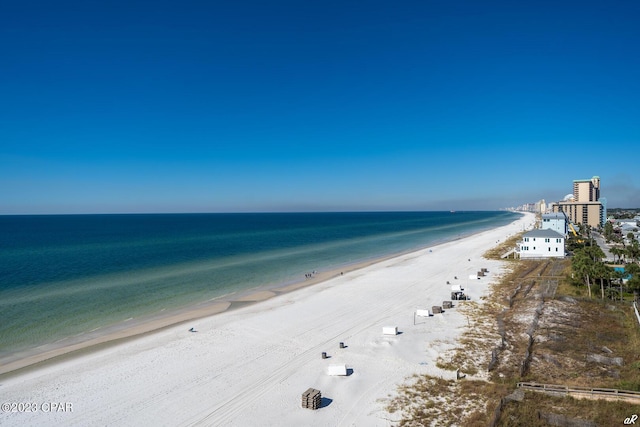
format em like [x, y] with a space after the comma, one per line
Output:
[240, 212]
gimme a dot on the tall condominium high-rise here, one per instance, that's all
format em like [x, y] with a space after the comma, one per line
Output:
[585, 206]
[587, 190]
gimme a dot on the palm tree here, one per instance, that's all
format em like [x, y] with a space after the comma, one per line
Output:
[602, 272]
[595, 253]
[582, 265]
[634, 282]
[608, 231]
[617, 252]
[617, 277]
[633, 250]
[582, 229]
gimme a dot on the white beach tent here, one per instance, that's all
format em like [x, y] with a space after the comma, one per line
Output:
[390, 330]
[336, 370]
[420, 312]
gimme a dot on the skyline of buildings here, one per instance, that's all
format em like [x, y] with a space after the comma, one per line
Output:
[583, 206]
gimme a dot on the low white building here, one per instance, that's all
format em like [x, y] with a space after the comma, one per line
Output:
[542, 243]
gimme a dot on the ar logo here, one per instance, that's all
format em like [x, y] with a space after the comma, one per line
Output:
[630, 420]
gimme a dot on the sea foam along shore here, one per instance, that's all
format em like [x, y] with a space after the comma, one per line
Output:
[250, 366]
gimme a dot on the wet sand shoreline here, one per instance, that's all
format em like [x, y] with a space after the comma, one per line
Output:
[69, 348]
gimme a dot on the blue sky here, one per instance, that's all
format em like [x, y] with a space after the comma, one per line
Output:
[214, 106]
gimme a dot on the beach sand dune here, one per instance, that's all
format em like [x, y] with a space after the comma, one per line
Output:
[250, 366]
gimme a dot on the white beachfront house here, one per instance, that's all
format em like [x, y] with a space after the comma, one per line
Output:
[556, 221]
[542, 243]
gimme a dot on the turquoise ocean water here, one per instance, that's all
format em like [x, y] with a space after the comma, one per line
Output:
[65, 275]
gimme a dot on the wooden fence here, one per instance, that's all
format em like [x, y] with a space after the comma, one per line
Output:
[584, 392]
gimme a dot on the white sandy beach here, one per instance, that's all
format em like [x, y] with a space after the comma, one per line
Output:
[249, 366]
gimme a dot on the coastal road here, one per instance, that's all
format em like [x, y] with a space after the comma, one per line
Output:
[603, 245]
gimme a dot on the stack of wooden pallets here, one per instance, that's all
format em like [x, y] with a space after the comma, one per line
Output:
[311, 399]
